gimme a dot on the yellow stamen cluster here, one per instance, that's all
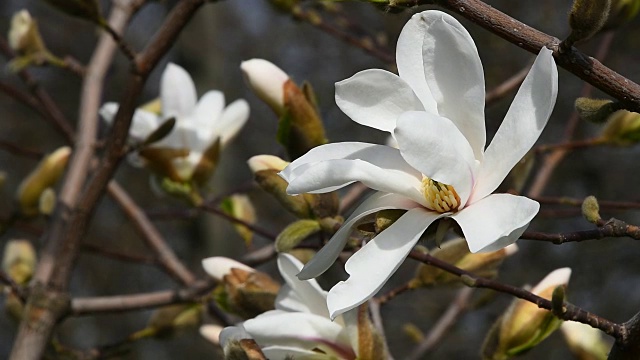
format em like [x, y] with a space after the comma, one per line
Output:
[440, 197]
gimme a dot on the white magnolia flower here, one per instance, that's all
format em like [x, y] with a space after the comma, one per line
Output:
[435, 111]
[300, 324]
[198, 123]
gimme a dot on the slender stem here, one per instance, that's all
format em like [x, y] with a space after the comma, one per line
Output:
[258, 230]
[612, 228]
[122, 303]
[572, 313]
[506, 86]
[152, 237]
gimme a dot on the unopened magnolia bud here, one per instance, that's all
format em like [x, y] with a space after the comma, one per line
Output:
[595, 110]
[24, 37]
[207, 164]
[267, 82]
[19, 260]
[243, 290]
[13, 306]
[300, 129]
[266, 162]
[240, 207]
[623, 128]
[44, 176]
[295, 233]
[456, 252]
[370, 343]
[585, 342]
[218, 266]
[243, 349]
[211, 333]
[525, 325]
[591, 209]
[323, 205]
[167, 320]
[271, 182]
[586, 18]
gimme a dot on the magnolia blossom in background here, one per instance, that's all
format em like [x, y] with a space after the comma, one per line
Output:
[435, 111]
[199, 124]
[299, 327]
[267, 81]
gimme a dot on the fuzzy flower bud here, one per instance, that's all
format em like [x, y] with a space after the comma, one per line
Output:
[24, 37]
[267, 82]
[240, 207]
[595, 110]
[19, 260]
[525, 325]
[591, 209]
[623, 128]
[586, 18]
[585, 342]
[44, 176]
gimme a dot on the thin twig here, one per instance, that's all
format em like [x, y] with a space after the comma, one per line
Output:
[506, 86]
[119, 255]
[152, 237]
[122, 303]
[572, 313]
[258, 230]
[442, 326]
[16, 289]
[611, 228]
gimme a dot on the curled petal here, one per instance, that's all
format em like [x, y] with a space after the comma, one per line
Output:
[523, 124]
[177, 91]
[208, 110]
[495, 221]
[455, 77]
[410, 62]
[330, 252]
[308, 293]
[373, 265]
[434, 145]
[376, 98]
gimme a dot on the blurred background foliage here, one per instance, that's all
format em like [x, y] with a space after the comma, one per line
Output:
[211, 48]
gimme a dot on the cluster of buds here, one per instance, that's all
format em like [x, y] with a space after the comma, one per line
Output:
[300, 126]
[25, 39]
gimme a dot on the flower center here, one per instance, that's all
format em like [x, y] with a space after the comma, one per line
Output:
[440, 197]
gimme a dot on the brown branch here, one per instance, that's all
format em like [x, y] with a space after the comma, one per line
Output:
[16, 289]
[258, 230]
[122, 303]
[572, 312]
[506, 86]
[611, 228]
[583, 66]
[152, 237]
[119, 255]
[609, 204]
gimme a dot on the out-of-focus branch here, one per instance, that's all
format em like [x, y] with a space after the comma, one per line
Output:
[572, 312]
[122, 303]
[15, 288]
[152, 237]
[120, 255]
[506, 86]
[447, 320]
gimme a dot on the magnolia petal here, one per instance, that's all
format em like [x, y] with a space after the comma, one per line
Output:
[219, 266]
[434, 145]
[232, 120]
[349, 150]
[207, 111]
[177, 92]
[330, 252]
[557, 277]
[287, 352]
[302, 330]
[495, 221]
[454, 73]
[410, 63]
[142, 125]
[309, 292]
[330, 175]
[522, 125]
[231, 333]
[373, 265]
[376, 98]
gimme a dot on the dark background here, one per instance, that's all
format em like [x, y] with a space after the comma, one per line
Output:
[221, 35]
